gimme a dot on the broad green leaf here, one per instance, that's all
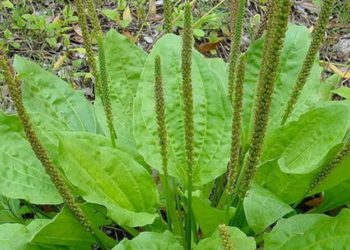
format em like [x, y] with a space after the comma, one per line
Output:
[220, 68]
[125, 63]
[151, 241]
[18, 236]
[13, 236]
[49, 99]
[289, 183]
[207, 217]
[239, 241]
[293, 53]
[337, 176]
[10, 211]
[343, 92]
[64, 230]
[262, 208]
[311, 231]
[212, 112]
[300, 146]
[335, 197]
[110, 177]
[291, 187]
[21, 175]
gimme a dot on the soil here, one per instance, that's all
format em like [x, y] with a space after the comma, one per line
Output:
[145, 31]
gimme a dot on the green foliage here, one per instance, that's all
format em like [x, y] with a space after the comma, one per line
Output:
[37, 27]
[104, 175]
[262, 208]
[151, 241]
[311, 231]
[211, 109]
[207, 217]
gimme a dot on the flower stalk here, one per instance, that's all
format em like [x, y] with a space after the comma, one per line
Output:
[236, 37]
[276, 30]
[317, 39]
[187, 94]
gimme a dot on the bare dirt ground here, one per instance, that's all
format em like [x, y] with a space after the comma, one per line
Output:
[66, 57]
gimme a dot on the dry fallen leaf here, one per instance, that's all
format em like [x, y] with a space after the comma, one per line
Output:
[336, 70]
[59, 62]
[130, 36]
[207, 47]
[314, 202]
[77, 30]
[152, 9]
[127, 14]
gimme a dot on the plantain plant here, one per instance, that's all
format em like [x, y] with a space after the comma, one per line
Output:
[178, 151]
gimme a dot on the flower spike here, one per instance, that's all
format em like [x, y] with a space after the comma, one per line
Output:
[236, 37]
[187, 94]
[277, 27]
[87, 42]
[168, 16]
[103, 74]
[317, 39]
[320, 177]
[236, 124]
[225, 237]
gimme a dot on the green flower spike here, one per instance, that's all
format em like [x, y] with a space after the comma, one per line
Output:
[236, 125]
[233, 15]
[95, 22]
[225, 237]
[317, 39]
[342, 153]
[104, 78]
[15, 91]
[187, 93]
[87, 42]
[263, 23]
[236, 37]
[168, 16]
[173, 222]
[276, 30]
[160, 114]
